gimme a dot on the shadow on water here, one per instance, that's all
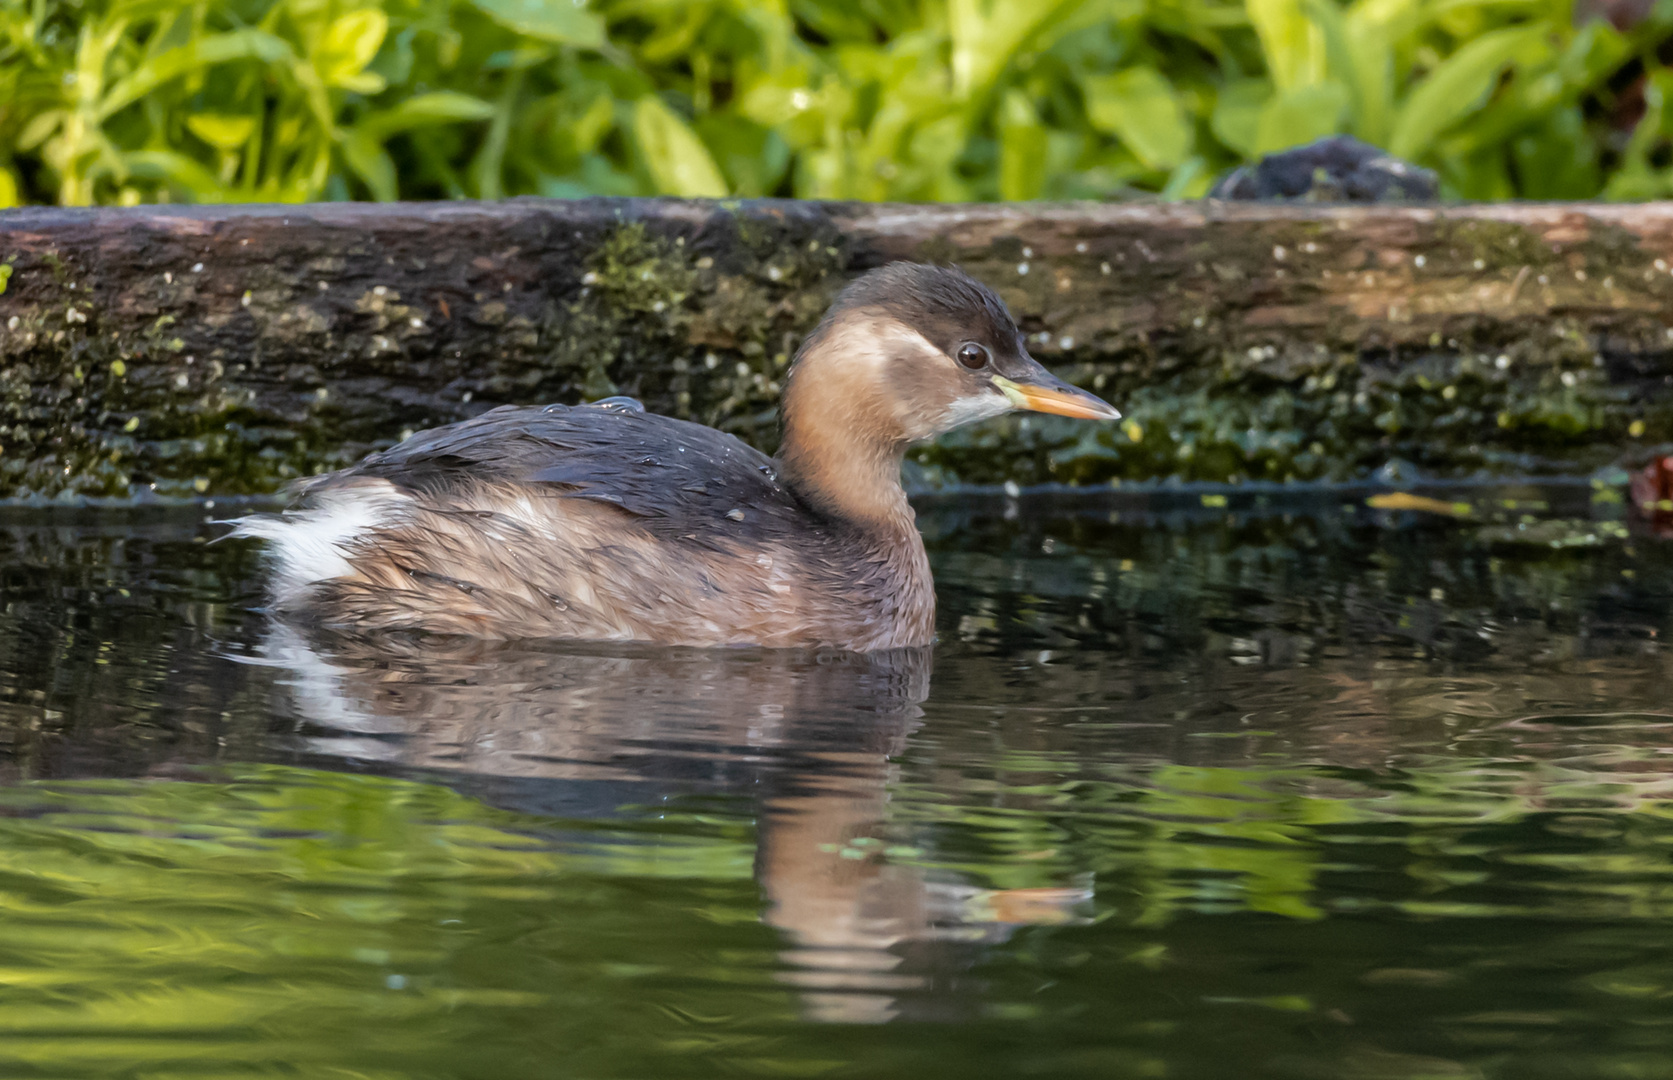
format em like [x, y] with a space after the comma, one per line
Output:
[1190, 787]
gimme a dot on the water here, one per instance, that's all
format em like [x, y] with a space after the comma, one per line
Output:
[1301, 789]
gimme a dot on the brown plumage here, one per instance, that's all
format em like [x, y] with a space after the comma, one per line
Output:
[605, 522]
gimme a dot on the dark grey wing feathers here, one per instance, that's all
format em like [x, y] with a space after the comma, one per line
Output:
[680, 478]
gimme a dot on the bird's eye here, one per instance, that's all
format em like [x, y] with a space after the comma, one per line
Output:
[973, 356]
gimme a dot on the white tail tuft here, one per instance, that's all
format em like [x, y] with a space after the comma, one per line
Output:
[316, 543]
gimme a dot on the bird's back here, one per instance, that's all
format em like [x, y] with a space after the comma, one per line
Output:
[673, 478]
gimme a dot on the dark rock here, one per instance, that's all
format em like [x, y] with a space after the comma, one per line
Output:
[1337, 169]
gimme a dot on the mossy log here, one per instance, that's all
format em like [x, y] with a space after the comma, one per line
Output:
[224, 350]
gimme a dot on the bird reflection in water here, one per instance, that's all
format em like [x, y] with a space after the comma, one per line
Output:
[576, 731]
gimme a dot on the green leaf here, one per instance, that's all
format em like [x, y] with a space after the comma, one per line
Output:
[1370, 48]
[38, 130]
[786, 101]
[589, 129]
[1556, 160]
[1299, 116]
[1022, 149]
[1139, 107]
[1362, 61]
[1476, 176]
[372, 164]
[1638, 180]
[1456, 88]
[985, 34]
[5, 268]
[1191, 180]
[1397, 18]
[562, 21]
[9, 195]
[183, 174]
[753, 158]
[222, 132]
[678, 161]
[1658, 91]
[348, 46]
[934, 150]
[487, 168]
[1237, 114]
[424, 110]
[193, 57]
[1596, 52]
[946, 99]
[1293, 46]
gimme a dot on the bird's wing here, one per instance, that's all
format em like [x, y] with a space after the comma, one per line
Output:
[676, 478]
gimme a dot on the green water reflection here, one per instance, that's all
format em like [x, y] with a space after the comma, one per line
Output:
[1199, 796]
[268, 917]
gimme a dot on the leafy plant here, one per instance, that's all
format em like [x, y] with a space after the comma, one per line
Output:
[128, 101]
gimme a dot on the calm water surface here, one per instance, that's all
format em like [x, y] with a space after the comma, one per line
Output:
[1190, 788]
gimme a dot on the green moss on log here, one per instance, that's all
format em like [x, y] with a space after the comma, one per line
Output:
[230, 350]
[1308, 413]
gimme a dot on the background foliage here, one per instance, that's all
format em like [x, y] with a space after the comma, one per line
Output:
[131, 101]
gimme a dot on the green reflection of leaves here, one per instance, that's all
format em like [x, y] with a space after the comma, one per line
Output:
[1170, 839]
[251, 917]
[323, 827]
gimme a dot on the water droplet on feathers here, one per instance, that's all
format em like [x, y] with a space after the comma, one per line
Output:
[620, 403]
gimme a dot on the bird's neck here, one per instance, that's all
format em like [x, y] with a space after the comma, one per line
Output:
[843, 466]
[840, 459]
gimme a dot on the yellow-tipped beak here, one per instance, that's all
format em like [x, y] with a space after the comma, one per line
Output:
[1055, 396]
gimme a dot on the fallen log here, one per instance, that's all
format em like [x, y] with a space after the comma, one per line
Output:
[206, 350]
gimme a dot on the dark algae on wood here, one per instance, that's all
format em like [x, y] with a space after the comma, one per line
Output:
[229, 350]
[182, 351]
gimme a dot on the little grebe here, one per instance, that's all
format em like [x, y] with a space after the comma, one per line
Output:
[606, 522]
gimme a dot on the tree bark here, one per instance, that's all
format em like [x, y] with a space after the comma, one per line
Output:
[211, 350]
